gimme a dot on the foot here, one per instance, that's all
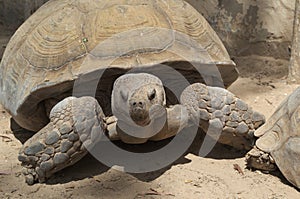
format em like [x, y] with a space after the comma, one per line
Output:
[222, 115]
[260, 160]
[75, 125]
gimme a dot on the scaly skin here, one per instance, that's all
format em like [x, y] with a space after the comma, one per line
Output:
[75, 124]
[222, 115]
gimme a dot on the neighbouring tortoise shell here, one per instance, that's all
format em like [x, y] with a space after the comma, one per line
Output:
[280, 137]
[65, 40]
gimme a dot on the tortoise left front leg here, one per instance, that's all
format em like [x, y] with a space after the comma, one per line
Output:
[75, 124]
[222, 115]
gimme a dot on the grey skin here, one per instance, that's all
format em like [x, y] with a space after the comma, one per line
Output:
[140, 114]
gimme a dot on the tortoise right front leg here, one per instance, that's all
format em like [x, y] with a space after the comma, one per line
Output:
[222, 115]
[75, 125]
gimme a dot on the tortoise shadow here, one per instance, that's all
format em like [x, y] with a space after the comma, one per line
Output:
[89, 166]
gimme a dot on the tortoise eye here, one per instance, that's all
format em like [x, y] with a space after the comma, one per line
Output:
[151, 94]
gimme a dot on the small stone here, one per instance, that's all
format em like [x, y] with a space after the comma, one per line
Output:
[35, 148]
[49, 150]
[65, 128]
[46, 166]
[73, 137]
[45, 157]
[52, 138]
[204, 115]
[242, 128]
[65, 146]
[241, 105]
[60, 158]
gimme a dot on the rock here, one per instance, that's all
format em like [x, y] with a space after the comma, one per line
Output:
[35, 148]
[52, 137]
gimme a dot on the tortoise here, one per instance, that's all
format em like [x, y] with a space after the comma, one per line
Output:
[278, 145]
[50, 62]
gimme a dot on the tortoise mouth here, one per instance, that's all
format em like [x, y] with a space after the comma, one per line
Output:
[140, 116]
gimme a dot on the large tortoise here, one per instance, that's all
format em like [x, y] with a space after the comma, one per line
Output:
[279, 141]
[66, 45]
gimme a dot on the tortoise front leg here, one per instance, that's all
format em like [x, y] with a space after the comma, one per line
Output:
[75, 125]
[222, 115]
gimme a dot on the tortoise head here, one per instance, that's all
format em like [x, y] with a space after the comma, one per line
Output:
[145, 101]
[138, 97]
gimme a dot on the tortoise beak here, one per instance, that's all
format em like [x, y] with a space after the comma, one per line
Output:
[140, 115]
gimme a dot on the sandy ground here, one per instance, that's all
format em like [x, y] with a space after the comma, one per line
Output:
[189, 177]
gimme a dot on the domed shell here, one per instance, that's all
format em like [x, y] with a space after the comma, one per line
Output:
[65, 40]
[280, 137]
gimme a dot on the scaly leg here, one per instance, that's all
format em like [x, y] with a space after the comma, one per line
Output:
[222, 115]
[75, 125]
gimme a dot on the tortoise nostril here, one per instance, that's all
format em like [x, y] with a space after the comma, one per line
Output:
[141, 103]
[134, 103]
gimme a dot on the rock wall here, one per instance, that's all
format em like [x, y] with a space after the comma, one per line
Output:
[251, 27]
[14, 12]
